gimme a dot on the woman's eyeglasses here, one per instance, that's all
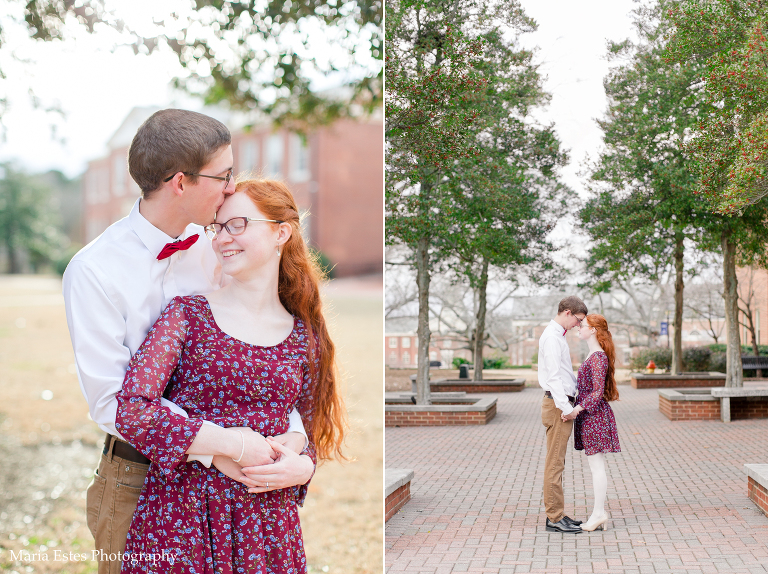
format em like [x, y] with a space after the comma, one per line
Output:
[234, 226]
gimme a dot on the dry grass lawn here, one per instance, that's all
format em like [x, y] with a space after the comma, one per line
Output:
[49, 446]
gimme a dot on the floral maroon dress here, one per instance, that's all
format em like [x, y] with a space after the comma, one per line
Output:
[191, 519]
[594, 429]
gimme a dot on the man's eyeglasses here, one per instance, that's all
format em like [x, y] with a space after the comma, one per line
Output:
[234, 226]
[226, 179]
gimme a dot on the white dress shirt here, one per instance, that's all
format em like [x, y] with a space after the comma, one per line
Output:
[114, 291]
[555, 367]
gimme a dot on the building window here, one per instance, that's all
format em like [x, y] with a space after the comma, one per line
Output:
[406, 358]
[91, 188]
[393, 342]
[299, 158]
[433, 356]
[248, 161]
[405, 342]
[447, 344]
[118, 175]
[275, 155]
[757, 325]
[393, 358]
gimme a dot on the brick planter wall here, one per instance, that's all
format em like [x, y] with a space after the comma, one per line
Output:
[469, 387]
[397, 489]
[757, 485]
[749, 408]
[438, 418]
[690, 410]
[640, 381]
[397, 500]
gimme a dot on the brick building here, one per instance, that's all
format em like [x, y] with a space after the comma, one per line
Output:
[401, 350]
[336, 176]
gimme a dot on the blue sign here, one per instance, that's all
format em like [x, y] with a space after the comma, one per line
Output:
[664, 328]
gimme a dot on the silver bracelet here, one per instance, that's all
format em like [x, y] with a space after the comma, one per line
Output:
[242, 450]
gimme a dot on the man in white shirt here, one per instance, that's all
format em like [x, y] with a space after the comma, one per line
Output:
[116, 287]
[559, 383]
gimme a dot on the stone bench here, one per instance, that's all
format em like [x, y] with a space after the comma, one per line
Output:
[757, 484]
[755, 406]
[749, 362]
[397, 489]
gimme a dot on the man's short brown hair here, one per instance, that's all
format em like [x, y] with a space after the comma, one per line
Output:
[171, 141]
[572, 304]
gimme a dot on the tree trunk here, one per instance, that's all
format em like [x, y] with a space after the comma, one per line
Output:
[677, 348]
[755, 347]
[482, 288]
[13, 258]
[734, 374]
[422, 280]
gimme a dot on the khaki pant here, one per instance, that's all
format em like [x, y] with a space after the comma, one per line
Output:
[110, 503]
[558, 434]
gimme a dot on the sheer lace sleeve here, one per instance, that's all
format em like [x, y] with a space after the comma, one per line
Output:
[161, 435]
[599, 368]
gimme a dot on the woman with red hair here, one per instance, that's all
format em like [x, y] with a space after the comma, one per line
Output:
[242, 357]
[594, 430]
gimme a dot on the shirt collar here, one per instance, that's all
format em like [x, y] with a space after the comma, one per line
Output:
[153, 238]
[557, 328]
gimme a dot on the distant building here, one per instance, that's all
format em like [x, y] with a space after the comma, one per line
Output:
[401, 350]
[336, 176]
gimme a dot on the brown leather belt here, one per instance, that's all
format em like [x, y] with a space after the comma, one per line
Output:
[549, 396]
[124, 450]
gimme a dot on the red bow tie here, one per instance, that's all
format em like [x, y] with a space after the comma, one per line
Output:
[174, 246]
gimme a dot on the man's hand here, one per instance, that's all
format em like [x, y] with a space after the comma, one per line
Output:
[573, 414]
[292, 440]
[256, 450]
[229, 467]
[290, 469]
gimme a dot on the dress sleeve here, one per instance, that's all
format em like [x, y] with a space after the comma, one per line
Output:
[599, 368]
[160, 434]
[305, 404]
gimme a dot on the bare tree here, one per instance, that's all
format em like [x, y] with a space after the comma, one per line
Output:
[747, 303]
[636, 309]
[705, 301]
[453, 307]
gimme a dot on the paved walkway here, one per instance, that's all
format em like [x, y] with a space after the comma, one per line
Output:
[676, 496]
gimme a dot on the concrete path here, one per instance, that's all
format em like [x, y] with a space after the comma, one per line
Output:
[676, 496]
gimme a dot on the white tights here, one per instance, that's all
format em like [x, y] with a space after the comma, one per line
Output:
[599, 483]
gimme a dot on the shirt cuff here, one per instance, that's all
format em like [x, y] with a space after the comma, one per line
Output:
[205, 459]
[295, 424]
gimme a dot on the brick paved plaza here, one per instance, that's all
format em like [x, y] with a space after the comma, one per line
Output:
[676, 496]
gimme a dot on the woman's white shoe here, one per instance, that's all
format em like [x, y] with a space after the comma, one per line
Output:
[600, 523]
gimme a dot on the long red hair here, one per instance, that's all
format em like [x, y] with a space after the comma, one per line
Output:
[611, 393]
[298, 287]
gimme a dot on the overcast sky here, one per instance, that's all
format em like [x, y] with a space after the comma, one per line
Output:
[96, 86]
